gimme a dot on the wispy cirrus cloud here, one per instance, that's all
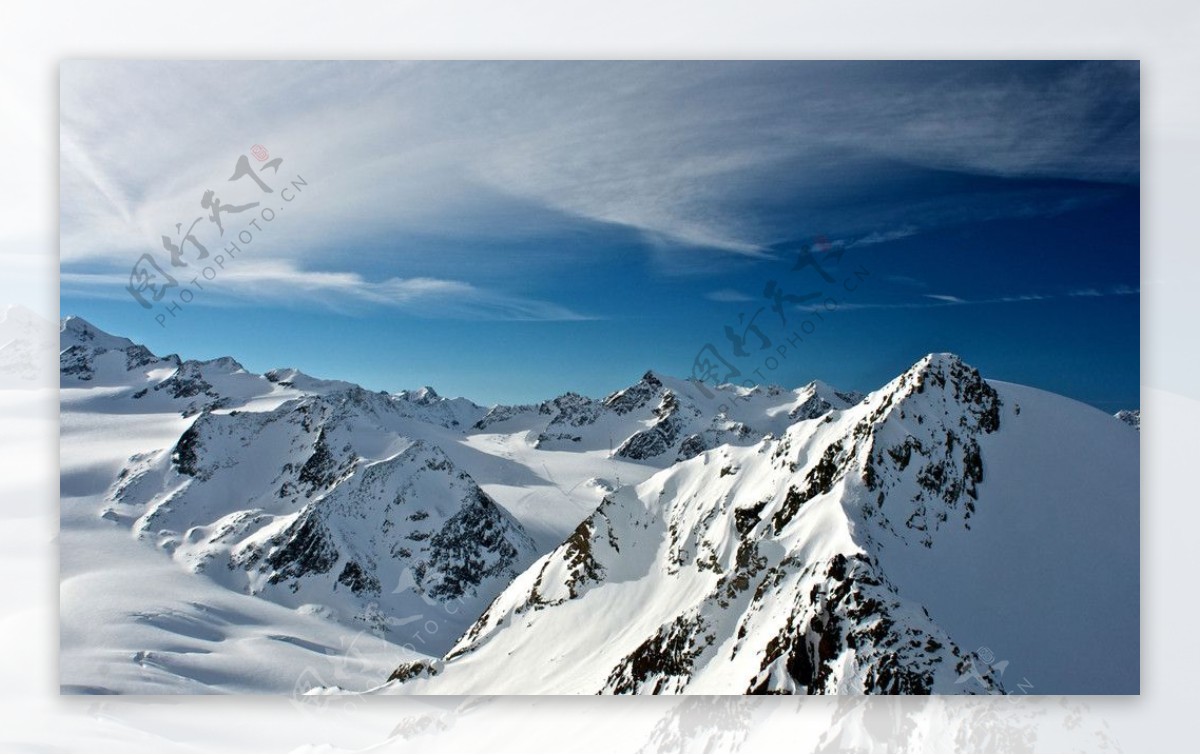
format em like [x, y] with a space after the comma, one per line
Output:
[690, 154]
[283, 284]
[728, 295]
[906, 280]
[930, 301]
[883, 237]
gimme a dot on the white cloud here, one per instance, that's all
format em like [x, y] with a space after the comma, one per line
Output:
[281, 283]
[673, 151]
[944, 300]
[882, 237]
[728, 295]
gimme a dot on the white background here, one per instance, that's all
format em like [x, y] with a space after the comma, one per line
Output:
[36, 36]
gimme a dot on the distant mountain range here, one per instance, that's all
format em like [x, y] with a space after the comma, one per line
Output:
[936, 535]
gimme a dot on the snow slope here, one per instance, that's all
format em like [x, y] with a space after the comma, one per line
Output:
[942, 534]
[342, 510]
[132, 622]
[898, 545]
[394, 517]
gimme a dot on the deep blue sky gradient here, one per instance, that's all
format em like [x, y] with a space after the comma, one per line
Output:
[1031, 274]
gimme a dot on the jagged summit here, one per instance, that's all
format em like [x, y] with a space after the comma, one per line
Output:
[942, 379]
[938, 367]
[788, 565]
[1131, 417]
[228, 364]
[423, 395]
[75, 330]
[939, 359]
[75, 323]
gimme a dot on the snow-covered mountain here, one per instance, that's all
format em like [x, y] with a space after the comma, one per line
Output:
[662, 420]
[865, 551]
[337, 505]
[1131, 417]
[666, 538]
[343, 501]
[369, 509]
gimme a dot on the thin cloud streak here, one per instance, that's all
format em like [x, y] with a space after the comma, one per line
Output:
[882, 237]
[281, 283]
[727, 295]
[953, 301]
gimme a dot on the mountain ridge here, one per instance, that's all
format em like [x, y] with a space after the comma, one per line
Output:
[744, 540]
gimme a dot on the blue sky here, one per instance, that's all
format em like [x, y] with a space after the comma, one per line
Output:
[511, 231]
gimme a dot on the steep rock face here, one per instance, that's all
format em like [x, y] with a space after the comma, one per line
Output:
[639, 395]
[846, 632]
[191, 383]
[850, 608]
[412, 517]
[503, 413]
[917, 449]
[925, 433]
[663, 435]
[76, 362]
[336, 507]
[565, 574]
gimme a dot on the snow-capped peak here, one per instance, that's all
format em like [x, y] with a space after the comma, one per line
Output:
[424, 395]
[1131, 417]
[942, 379]
[75, 330]
[291, 377]
[786, 566]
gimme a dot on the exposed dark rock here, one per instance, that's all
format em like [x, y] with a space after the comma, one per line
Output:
[302, 549]
[477, 534]
[412, 670]
[185, 454]
[661, 664]
[358, 580]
